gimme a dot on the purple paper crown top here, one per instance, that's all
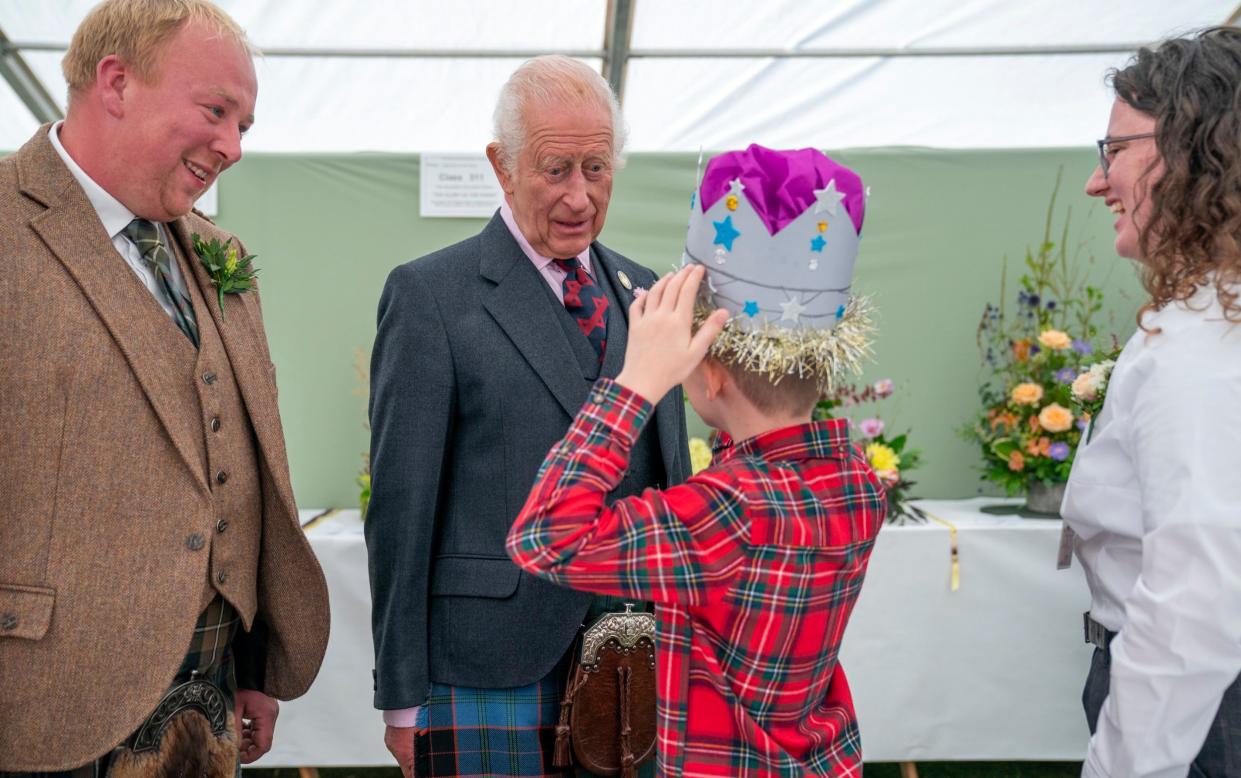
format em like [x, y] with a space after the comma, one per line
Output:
[781, 185]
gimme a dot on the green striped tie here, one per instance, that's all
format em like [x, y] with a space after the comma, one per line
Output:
[145, 236]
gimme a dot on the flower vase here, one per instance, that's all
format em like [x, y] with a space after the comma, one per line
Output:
[1044, 497]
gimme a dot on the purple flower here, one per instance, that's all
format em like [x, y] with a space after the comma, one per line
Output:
[1082, 424]
[1058, 451]
[1081, 346]
[1065, 375]
[871, 428]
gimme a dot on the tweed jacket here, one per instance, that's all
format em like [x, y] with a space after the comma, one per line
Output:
[473, 377]
[104, 500]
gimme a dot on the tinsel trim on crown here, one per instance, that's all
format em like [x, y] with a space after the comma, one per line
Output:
[776, 352]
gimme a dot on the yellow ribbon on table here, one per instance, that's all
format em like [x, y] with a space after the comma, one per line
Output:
[313, 520]
[952, 541]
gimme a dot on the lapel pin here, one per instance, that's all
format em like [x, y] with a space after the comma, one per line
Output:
[624, 279]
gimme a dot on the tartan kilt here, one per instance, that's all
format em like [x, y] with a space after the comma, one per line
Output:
[209, 654]
[463, 731]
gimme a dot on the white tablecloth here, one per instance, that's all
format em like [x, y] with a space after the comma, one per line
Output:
[992, 671]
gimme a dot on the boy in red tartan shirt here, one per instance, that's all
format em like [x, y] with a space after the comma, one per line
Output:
[756, 562]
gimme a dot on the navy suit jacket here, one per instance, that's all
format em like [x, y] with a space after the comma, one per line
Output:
[473, 378]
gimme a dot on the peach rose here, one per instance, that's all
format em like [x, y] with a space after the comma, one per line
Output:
[1027, 394]
[1055, 418]
[1086, 387]
[1054, 340]
[1038, 447]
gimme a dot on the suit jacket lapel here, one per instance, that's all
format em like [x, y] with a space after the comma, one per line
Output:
[519, 305]
[73, 233]
[243, 342]
[669, 412]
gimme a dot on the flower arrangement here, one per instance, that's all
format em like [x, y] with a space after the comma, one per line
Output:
[1029, 426]
[889, 456]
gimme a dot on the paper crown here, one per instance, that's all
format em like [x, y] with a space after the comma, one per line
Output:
[778, 233]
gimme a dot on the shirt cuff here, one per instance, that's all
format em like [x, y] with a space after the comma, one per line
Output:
[402, 717]
[622, 411]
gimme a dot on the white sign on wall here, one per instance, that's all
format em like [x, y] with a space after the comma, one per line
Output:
[458, 185]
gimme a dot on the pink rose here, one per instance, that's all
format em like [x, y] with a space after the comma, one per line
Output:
[871, 428]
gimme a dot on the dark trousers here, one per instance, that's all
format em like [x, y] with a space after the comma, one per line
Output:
[1220, 756]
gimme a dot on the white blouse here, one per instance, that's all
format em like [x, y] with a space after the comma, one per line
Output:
[1155, 501]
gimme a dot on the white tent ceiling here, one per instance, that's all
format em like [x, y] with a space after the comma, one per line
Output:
[422, 75]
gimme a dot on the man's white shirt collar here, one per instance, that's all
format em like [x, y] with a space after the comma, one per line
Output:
[115, 216]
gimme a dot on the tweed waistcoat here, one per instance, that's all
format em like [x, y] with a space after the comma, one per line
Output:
[227, 450]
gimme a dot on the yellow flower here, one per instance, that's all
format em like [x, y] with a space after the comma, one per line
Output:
[230, 264]
[699, 454]
[882, 457]
[1027, 394]
[1054, 340]
[1055, 418]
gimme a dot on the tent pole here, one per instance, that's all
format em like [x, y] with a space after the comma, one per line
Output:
[616, 38]
[26, 84]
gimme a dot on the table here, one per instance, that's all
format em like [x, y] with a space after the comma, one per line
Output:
[992, 671]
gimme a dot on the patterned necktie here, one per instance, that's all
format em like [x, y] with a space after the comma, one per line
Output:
[587, 303]
[145, 236]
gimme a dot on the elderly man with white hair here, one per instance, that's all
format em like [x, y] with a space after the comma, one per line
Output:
[485, 351]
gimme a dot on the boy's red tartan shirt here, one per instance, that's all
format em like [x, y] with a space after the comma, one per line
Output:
[755, 564]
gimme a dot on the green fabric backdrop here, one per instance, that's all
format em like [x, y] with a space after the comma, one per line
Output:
[328, 228]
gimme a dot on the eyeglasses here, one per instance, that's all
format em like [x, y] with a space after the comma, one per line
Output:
[1106, 142]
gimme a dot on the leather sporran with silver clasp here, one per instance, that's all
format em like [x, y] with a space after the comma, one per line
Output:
[190, 733]
[607, 715]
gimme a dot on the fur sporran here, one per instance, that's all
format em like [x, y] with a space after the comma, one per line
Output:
[607, 716]
[191, 734]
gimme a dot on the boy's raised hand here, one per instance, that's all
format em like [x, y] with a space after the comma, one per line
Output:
[663, 349]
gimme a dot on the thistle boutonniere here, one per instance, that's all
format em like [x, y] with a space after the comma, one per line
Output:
[230, 273]
[1090, 388]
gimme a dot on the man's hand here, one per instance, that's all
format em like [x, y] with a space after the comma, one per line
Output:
[663, 350]
[400, 741]
[256, 723]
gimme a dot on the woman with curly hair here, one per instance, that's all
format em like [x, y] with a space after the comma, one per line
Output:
[1155, 495]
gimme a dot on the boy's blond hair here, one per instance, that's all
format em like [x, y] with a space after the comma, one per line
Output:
[792, 395]
[136, 31]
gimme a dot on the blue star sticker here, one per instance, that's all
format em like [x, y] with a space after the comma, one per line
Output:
[817, 244]
[751, 308]
[725, 233]
[840, 313]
